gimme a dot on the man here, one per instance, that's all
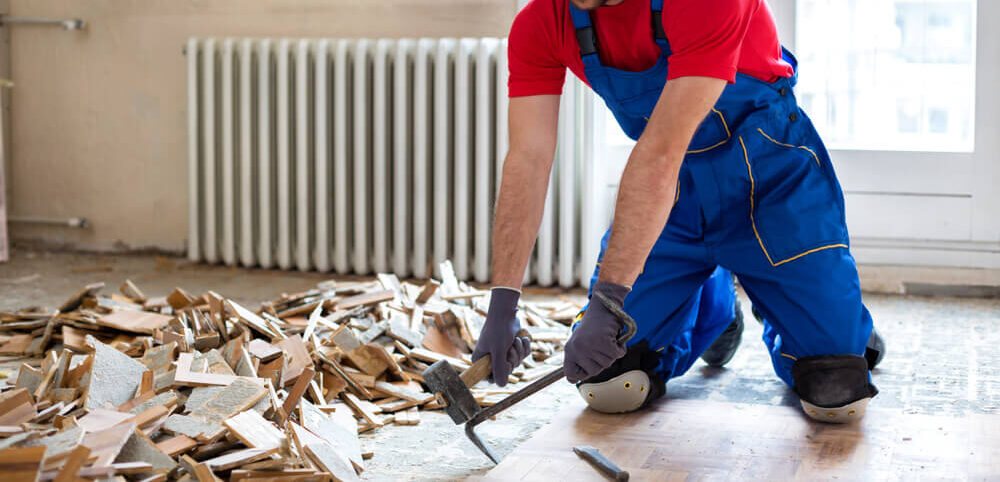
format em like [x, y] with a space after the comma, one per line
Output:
[727, 171]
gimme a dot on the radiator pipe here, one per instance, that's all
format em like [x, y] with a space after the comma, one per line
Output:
[66, 24]
[69, 222]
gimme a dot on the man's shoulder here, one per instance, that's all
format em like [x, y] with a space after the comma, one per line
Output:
[542, 10]
[539, 23]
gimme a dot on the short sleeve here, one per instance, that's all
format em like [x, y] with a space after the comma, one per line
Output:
[706, 36]
[531, 54]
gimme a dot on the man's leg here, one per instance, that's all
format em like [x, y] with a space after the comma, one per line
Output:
[788, 246]
[680, 302]
[816, 330]
[665, 303]
[719, 309]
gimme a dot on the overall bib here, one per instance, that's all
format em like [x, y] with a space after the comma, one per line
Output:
[756, 195]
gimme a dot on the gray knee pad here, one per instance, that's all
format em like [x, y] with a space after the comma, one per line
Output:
[623, 393]
[628, 384]
[833, 388]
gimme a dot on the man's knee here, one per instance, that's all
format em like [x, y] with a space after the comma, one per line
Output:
[628, 384]
[833, 388]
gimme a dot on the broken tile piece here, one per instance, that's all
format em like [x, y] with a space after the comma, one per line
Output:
[114, 377]
[106, 444]
[193, 427]
[60, 444]
[139, 448]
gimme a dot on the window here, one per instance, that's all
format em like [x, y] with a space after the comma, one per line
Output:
[888, 74]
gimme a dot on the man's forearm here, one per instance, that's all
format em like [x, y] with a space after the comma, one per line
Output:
[644, 200]
[648, 185]
[518, 215]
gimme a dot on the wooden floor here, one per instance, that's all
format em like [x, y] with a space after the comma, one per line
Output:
[699, 440]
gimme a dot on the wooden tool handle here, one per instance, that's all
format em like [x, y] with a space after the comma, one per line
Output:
[483, 366]
[478, 371]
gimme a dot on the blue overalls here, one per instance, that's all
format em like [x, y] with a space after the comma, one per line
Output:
[757, 195]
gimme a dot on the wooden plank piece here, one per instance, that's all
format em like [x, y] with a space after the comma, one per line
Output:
[365, 299]
[177, 445]
[72, 465]
[238, 458]
[297, 390]
[254, 431]
[16, 406]
[106, 444]
[362, 409]
[134, 321]
[21, 464]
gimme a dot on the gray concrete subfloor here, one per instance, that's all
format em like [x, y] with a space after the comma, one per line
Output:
[941, 357]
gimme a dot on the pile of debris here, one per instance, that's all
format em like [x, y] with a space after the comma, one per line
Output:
[201, 387]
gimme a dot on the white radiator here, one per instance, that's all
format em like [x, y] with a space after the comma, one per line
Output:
[370, 155]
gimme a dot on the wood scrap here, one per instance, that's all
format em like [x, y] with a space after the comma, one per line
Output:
[176, 445]
[16, 407]
[264, 350]
[76, 300]
[199, 386]
[21, 463]
[297, 390]
[132, 292]
[296, 358]
[254, 431]
[237, 458]
[322, 454]
[105, 445]
[72, 465]
[16, 345]
[98, 419]
[134, 321]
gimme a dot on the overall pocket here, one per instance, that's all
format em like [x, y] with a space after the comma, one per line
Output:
[796, 207]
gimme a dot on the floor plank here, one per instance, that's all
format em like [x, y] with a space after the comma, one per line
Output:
[701, 439]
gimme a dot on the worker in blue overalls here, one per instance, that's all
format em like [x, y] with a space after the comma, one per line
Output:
[728, 174]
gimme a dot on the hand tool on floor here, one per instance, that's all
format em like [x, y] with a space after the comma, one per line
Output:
[600, 462]
[462, 406]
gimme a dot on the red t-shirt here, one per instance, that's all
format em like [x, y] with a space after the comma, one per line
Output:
[709, 38]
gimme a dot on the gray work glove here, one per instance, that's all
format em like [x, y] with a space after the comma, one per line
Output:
[499, 336]
[594, 346]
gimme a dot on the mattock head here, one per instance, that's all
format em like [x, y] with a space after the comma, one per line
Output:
[470, 432]
[445, 382]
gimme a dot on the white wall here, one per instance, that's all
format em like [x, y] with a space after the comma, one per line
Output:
[98, 116]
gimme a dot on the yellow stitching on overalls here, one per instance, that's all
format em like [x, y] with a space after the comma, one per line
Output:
[811, 251]
[789, 356]
[789, 145]
[724, 123]
[753, 223]
[729, 135]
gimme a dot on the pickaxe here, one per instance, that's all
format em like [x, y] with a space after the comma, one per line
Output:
[453, 391]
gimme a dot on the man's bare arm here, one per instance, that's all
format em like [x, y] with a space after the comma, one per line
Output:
[533, 132]
[649, 182]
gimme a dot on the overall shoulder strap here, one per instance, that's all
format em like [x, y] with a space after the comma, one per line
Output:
[658, 34]
[585, 34]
